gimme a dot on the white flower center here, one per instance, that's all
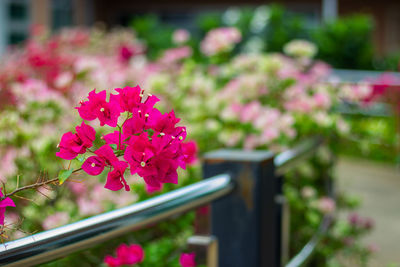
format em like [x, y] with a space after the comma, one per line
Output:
[142, 163]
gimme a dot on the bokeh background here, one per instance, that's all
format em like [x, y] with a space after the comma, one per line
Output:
[241, 74]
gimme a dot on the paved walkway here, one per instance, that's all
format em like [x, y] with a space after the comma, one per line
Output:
[378, 185]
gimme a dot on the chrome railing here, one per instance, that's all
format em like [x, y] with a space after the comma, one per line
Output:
[52, 244]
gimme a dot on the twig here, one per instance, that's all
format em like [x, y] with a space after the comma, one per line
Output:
[33, 186]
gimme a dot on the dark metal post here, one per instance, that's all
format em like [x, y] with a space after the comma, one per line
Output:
[247, 222]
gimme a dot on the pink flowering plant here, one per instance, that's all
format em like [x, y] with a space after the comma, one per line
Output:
[142, 139]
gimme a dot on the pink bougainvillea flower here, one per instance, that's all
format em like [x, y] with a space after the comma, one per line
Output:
[160, 171]
[155, 161]
[98, 107]
[7, 202]
[187, 260]
[115, 178]
[189, 150]
[68, 145]
[107, 154]
[73, 144]
[111, 261]
[93, 165]
[86, 133]
[165, 123]
[126, 255]
[125, 53]
[130, 254]
[113, 138]
[139, 152]
[129, 97]
[133, 126]
[151, 189]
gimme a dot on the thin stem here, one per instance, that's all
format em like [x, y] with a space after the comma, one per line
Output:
[34, 186]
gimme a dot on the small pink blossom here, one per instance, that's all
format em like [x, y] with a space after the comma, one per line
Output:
[174, 55]
[187, 259]
[126, 255]
[73, 144]
[180, 36]
[322, 100]
[114, 138]
[98, 107]
[220, 40]
[190, 150]
[129, 97]
[7, 202]
[77, 188]
[115, 178]
[125, 53]
[55, 220]
[89, 206]
[93, 165]
[372, 248]
[151, 189]
[326, 205]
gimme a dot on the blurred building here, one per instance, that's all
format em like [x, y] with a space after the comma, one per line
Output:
[17, 15]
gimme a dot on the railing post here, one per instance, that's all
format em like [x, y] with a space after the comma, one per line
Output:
[247, 222]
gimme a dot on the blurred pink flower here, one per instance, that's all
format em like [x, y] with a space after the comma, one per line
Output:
[152, 189]
[187, 259]
[8, 166]
[372, 248]
[78, 188]
[251, 142]
[89, 206]
[326, 205]
[173, 55]
[322, 100]
[220, 40]
[180, 36]
[55, 220]
[126, 255]
[190, 151]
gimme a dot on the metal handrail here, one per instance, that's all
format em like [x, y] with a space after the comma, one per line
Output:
[303, 256]
[287, 160]
[290, 158]
[58, 242]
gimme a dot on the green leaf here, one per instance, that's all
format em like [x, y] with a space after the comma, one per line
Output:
[63, 175]
[80, 158]
[113, 146]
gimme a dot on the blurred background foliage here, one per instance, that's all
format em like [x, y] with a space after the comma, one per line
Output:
[344, 43]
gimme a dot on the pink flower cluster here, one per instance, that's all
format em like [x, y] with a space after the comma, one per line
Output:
[126, 255]
[358, 221]
[220, 40]
[147, 141]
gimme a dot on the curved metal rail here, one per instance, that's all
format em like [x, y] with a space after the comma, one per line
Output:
[290, 158]
[285, 161]
[304, 255]
[58, 242]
